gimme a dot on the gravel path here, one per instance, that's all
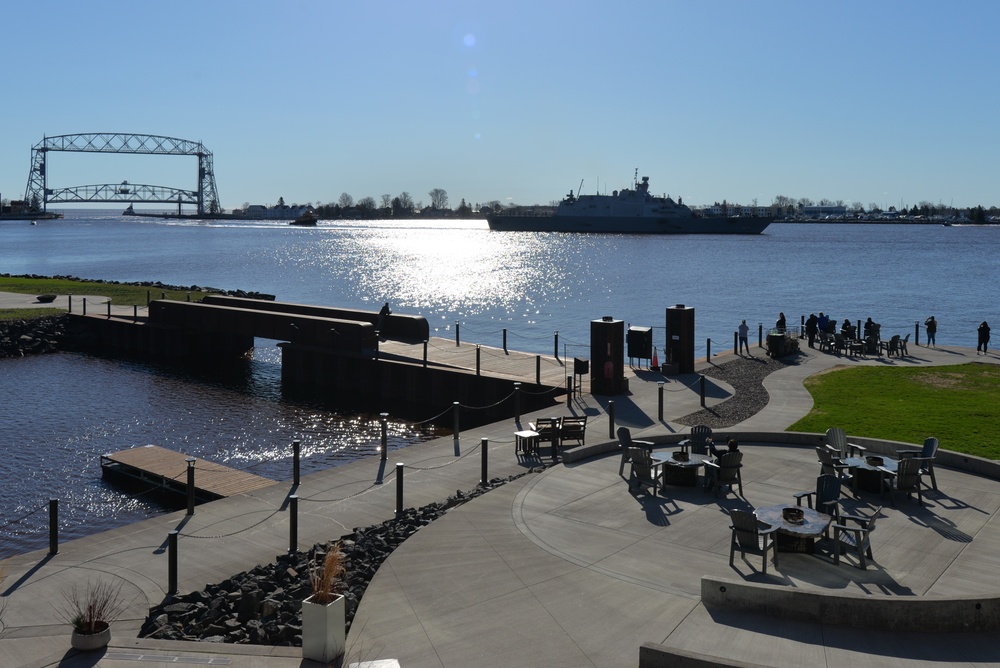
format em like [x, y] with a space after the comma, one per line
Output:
[746, 376]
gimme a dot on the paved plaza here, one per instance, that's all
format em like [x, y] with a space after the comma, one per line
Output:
[561, 567]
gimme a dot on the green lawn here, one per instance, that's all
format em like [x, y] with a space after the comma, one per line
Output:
[28, 313]
[957, 404]
[121, 295]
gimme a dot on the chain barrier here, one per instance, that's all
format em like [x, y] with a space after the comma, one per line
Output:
[556, 388]
[232, 533]
[493, 405]
[22, 517]
[370, 487]
[445, 411]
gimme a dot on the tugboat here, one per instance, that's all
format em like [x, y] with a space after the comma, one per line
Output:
[129, 211]
[631, 211]
[306, 219]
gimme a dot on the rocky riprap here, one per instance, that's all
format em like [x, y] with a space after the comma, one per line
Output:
[263, 606]
[746, 376]
[33, 337]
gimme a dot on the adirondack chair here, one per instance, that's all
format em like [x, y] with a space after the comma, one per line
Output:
[725, 473]
[927, 456]
[696, 443]
[625, 444]
[836, 438]
[855, 537]
[750, 535]
[641, 472]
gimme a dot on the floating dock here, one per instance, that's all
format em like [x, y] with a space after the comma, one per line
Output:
[156, 467]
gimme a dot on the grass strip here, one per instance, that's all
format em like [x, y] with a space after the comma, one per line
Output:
[120, 294]
[957, 404]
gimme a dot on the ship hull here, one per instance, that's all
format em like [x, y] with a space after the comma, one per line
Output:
[637, 225]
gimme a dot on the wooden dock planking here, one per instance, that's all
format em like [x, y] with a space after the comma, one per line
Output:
[516, 365]
[159, 466]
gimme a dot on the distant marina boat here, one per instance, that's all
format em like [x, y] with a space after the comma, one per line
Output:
[129, 211]
[628, 211]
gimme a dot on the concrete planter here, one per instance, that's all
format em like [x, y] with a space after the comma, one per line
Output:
[91, 641]
[324, 635]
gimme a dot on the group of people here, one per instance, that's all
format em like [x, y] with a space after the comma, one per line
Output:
[824, 323]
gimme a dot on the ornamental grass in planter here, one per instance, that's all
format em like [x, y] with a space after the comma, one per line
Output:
[90, 610]
[324, 635]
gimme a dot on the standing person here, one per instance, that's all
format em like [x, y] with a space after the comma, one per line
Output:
[984, 337]
[812, 327]
[822, 322]
[931, 326]
[744, 331]
[780, 323]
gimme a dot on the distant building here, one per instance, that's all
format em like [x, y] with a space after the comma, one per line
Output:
[823, 211]
[277, 212]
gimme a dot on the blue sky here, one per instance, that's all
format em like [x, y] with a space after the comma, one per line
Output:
[872, 102]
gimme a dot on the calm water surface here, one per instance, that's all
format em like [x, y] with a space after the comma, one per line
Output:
[61, 412]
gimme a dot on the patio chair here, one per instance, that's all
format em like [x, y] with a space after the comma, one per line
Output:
[854, 537]
[625, 443]
[827, 494]
[753, 536]
[642, 470]
[825, 341]
[902, 346]
[548, 432]
[696, 442]
[572, 429]
[906, 479]
[830, 464]
[839, 343]
[725, 472]
[927, 456]
[836, 438]
[891, 347]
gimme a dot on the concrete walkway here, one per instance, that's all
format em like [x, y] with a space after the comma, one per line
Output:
[563, 567]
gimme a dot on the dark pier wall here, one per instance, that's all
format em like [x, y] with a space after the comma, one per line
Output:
[359, 380]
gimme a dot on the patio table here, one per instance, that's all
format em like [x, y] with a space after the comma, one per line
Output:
[795, 536]
[681, 473]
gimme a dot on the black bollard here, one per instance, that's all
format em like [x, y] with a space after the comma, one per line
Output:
[484, 474]
[172, 562]
[916, 333]
[736, 343]
[457, 343]
[659, 401]
[760, 335]
[109, 309]
[190, 485]
[296, 452]
[85, 306]
[399, 489]
[148, 299]
[569, 391]
[69, 299]
[517, 402]
[555, 344]
[135, 312]
[701, 382]
[53, 527]
[505, 339]
[456, 406]
[383, 418]
[611, 419]
[538, 369]
[708, 347]
[293, 523]
[478, 357]
[425, 354]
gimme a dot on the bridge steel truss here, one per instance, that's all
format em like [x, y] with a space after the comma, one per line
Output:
[37, 194]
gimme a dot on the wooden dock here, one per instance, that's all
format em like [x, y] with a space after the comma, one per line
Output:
[156, 467]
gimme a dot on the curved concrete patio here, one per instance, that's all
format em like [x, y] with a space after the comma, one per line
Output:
[562, 567]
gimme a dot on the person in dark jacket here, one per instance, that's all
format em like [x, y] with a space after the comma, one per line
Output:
[984, 337]
[812, 327]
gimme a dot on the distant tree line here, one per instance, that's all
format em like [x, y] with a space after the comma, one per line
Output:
[980, 214]
[400, 206]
